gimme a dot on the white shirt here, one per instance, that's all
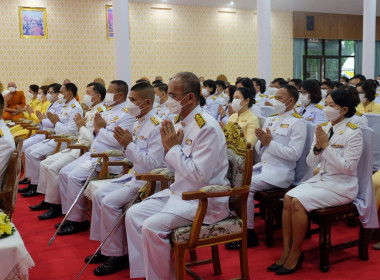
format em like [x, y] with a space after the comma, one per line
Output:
[7, 146]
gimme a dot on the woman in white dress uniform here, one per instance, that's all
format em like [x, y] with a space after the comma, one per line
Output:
[337, 147]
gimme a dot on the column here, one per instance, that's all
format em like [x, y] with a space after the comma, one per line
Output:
[121, 41]
[369, 35]
[264, 58]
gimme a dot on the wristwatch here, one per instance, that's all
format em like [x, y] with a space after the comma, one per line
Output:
[317, 150]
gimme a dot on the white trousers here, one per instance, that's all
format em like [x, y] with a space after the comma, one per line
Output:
[36, 138]
[148, 233]
[49, 174]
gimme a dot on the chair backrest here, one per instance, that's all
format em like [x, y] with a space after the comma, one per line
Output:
[240, 156]
[374, 123]
[303, 171]
[266, 111]
[365, 200]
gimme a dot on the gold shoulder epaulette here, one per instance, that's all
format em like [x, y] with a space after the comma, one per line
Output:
[73, 105]
[213, 98]
[297, 116]
[299, 105]
[154, 121]
[176, 119]
[358, 114]
[200, 120]
[320, 107]
[1, 133]
[377, 95]
[59, 102]
[273, 115]
[108, 108]
[100, 109]
[352, 125]
[125, 109]
[324, 124]
[272, 97]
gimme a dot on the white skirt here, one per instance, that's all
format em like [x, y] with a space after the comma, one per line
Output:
[314, 197]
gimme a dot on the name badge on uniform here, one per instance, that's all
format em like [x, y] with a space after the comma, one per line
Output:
[309, 119]
[189, 142]
[337, 146]
[284, 125]
[143, 137]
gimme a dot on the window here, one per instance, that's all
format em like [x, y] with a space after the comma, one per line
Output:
[325, 58]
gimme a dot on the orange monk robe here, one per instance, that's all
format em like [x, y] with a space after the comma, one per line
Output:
[77, 97]
[15, 99]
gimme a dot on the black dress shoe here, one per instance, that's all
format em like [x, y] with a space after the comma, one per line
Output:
[54, 211]
[285, 271]
[252, 241]
[27, 189]
[112, 265]
[74, 227]
[98, 258]
[41, 206]
[32, 192]
[274, 267]
[26, 181]
[65, 223]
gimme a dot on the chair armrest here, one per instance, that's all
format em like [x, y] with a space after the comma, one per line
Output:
[127, 165]
[105, 161]
[83, 148]
[217, 192]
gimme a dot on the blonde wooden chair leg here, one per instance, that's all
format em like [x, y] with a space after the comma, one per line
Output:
[244, 260]
[216, 259]
[180, 264]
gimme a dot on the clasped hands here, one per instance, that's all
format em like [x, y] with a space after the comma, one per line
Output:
[52, 117]
[79, 120]
[322, 140]
[99, 122]
[168, 135]
[124, 137]
[264, 136]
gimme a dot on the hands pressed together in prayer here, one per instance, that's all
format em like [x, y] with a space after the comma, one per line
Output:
[264, 137]
[99, 122]
[79, 120]
[321, 138]
[168, 135]
[124, 137]
[52, 117]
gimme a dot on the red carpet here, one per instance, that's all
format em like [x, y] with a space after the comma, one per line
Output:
[64, 259]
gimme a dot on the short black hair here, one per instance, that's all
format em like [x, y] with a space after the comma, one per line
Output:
[99, 88]
[44, 89]
[56, 87]
[231, 91]
[297, 82]
[353, 91]
[72, 88]
[247, 93]
[142, 81]
[292, 90]
[146, 89]
[344, 78]
[259, 83]
[161, 87]
[34, 88]
[121, 86]
[329, 84]
[1, 103]
[246, 82]
[281, 81]
[359, 76]
[337, 84]
[327, 79]
[369, 89]
[312, 87]
[190, 84]
[263, 85]
[344, 99]
[221, 83]
[210, 84]
[156, 82]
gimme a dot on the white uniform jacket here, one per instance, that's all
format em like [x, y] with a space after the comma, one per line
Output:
[54, 108]
[7, 146]
[200, 160]
[162, 111]
[359, 119]
[66, 123]
[314, 113]
[86, 135]
[278, 160]
[212, 105]
[339, 161]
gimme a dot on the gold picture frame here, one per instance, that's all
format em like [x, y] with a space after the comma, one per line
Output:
[109, 22]
[33, 23]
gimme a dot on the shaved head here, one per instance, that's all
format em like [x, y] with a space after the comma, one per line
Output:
[12, 84]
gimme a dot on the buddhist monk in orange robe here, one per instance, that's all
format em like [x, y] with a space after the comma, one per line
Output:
[12, 101]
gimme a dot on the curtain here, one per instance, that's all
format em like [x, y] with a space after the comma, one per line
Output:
[298, 50]
[358, 56]
[377, 59]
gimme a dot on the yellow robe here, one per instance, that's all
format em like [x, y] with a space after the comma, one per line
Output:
[42, 107]
[248, 123]
[34, 103]
[372, 107]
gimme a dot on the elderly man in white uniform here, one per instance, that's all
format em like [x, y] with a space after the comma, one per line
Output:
[50, 167]
[144, 148]
[280, 145]
[73, 175]
[54, 108]
[63, 124]
[7, 143]
[196, 164]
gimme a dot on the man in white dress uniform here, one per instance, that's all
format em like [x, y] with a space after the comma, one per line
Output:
[196, 164]
[50, 167]
[144, 148]
[63, 124]
[161, 97]
[73, 175]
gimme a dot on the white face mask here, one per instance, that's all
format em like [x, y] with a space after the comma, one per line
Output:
[175, 106]
[279, 107]
[50, 97]
[39, 97]
[133, 109]
[12, 89]
[272, 90]
[331, 113]
[30, 95]
[157, 99]
[362, 98]
[236, 105]
[109, 99]
[87, 99]
[226, 97]
[205, 92]
[324, 93]
[304, 99]
[61, 97]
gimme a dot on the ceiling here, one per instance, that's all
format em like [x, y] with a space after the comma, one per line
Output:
[321, 6]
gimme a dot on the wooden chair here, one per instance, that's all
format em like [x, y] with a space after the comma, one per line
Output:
[233, 228]
[8, 192]
[363, 206]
